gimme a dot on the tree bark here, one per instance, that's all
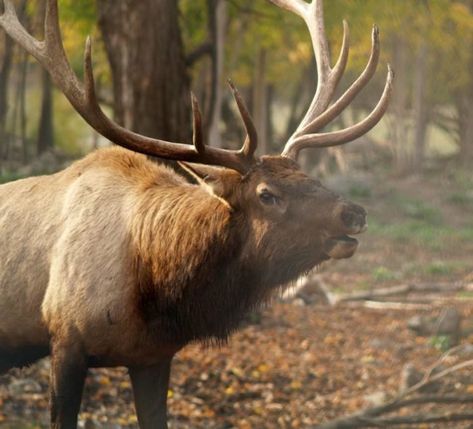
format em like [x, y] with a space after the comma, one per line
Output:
[4, 85]
[421, 110]
[465, 114]
[22, 107]
[464, 106]
[217, 10]
[399, 128]
[260, 101]
[5, 71]
[146, 56]
[45, 138]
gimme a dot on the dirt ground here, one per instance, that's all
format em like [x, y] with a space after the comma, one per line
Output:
[299, 363]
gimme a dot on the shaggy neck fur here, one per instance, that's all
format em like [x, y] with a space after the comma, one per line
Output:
[199, 265]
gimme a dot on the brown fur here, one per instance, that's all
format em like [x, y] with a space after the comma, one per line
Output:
[127, 261]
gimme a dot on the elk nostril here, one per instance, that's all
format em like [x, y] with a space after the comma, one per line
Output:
[354, 217]
[348, 217]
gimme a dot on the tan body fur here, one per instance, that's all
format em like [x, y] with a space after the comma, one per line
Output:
[66, 263]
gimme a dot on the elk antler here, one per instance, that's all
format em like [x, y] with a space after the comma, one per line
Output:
[319, 113]
[51, 55]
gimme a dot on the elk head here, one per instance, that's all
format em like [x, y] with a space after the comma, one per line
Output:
[293, 217]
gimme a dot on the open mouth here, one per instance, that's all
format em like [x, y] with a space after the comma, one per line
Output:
[341, 247]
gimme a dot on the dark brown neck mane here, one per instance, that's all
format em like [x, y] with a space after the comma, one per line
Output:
[198, 271]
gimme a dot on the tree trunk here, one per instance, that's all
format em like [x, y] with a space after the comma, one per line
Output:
[22, 107]
[260, 101]
[5, 71]
[464, 106]
[45, 139]
[300, 98]
[217, 10]
[399, 125]
[421, 110]
[465, 118]
[146, 56]
[4, 85]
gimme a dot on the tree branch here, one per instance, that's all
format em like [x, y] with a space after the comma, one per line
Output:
[367, 417]
[200, 51]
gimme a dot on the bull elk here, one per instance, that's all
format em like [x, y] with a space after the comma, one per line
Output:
[119, 261]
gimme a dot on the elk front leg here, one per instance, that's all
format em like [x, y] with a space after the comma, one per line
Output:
[68, 372]
[150, 389]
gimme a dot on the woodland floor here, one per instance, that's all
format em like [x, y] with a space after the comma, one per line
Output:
[295, 365]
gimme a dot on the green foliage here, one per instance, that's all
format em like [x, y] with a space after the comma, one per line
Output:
[20, 425]
[435, 237]
[461, 199]
[420, 210]
[441, 268]
[73, 132]
[9, 177]
[440, 342]
[383, 274]
[359, 191]
[465, 294]
[194, 22]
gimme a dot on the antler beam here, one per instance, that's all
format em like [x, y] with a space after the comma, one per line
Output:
[320, 112]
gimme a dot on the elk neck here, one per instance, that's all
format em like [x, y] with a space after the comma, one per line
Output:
[199, 265]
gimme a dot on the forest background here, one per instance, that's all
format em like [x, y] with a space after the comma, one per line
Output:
[412, 173]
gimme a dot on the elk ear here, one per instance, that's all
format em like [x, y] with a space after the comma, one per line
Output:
[219, 181]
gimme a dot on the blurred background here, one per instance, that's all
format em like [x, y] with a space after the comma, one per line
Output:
[412, 173]
[149, 55]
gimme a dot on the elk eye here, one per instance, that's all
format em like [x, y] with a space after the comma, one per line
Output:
[268, 198]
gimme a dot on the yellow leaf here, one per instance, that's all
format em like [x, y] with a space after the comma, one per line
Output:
[255, 374]
[263, 368]
[104, 380]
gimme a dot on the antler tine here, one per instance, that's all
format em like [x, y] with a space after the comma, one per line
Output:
[346, 135]
[52, 32]
[319, 113]
[197, 137]
[336, 108]
[9, 21]
[327, 77]
[251, 140]
[51, 55]
[89, 81]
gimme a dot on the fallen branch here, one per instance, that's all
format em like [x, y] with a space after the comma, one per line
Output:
[412, 420]
[384, 305]
[429, 378]
[365, 422]
[402, 290]
[369, 416]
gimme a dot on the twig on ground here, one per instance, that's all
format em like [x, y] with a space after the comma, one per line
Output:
[414, 419]
[383, 305]
[401, 290]
[368, 417]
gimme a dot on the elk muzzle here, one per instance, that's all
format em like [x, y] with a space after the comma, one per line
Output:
[351, 220]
